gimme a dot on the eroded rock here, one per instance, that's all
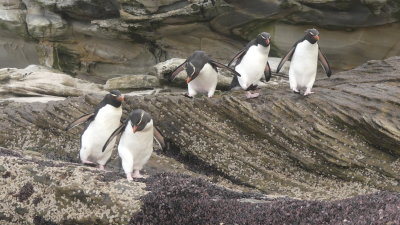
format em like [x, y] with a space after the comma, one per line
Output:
[38, 81]
[339, 142]
[132, 82]
[54, 192]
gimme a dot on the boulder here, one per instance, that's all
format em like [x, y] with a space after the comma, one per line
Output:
[38, 81]
[132, 82]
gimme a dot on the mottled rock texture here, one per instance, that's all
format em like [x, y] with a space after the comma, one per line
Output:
[41, 191]
[339, 142]
[105, 39]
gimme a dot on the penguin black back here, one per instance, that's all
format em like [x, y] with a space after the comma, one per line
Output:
[195, 63]
[113, 98]
[261, 39]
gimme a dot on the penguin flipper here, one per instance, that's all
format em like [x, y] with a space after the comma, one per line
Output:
[177, 70]
[234, 83]
[238, 56]
[159, 138]
[287, 57]
[115, 133]
[324, 62]
[220, 65]
[80, 120]
[267, 72]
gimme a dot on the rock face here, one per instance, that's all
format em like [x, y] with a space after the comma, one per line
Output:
[106, 39]
[342, 141]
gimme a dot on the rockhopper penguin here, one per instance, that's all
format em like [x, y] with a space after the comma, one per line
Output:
[252, 63]
[100, 125]
[304, 56]
[202, 73]
[136, 143]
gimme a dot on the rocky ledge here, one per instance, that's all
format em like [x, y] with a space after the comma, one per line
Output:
[324, 149]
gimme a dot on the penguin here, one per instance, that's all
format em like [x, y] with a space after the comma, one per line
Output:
[100, 125]
[136, 143]
[252, 63]
[304, 56]
[202, 73]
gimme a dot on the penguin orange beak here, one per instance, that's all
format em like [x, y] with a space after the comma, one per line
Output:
[267, 41]
[121, 98]
[188, 80]
[316, 37]
[134, 129]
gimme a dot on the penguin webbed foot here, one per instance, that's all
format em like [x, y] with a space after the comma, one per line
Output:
[89, 163]
[187, 95]
[308, 92]
[250, 95]
[136, 174]
[102, 168]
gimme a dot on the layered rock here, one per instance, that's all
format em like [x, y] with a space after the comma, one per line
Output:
[114, 38]
[38, 81]
[341, 141]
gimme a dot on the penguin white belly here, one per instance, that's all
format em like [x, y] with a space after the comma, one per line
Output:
[252, 66]
[98, 132]
[135, 148]
[205, 82]
[303, 66]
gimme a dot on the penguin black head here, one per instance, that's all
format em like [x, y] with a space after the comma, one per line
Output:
[195, 62]
[312, 35]
[114, 98]
[139, 119]
[264, 39]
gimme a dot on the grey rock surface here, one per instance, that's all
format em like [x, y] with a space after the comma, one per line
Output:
[82, 37]
[39, 81]
[339, 142]
[132, 82]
